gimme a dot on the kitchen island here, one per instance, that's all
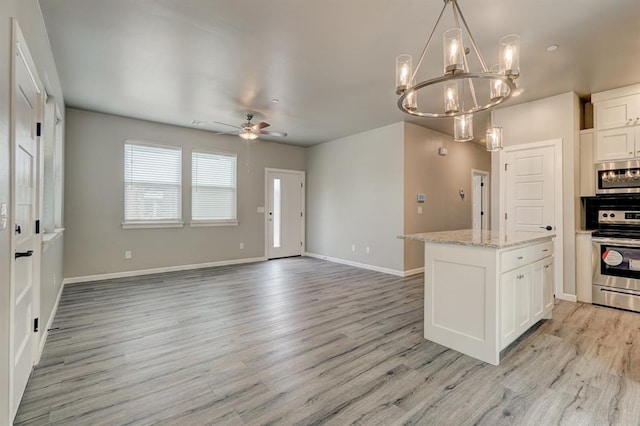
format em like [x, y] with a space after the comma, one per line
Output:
[483, 289]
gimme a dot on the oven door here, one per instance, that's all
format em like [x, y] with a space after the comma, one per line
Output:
[617, 264]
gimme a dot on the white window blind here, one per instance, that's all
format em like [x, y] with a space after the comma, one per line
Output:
[152, 183]
[213, 187]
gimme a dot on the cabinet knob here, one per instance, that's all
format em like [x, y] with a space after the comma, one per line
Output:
[519, 257]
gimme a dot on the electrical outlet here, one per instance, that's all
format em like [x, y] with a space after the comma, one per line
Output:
[367, 249]
[241, 246]
[353, 247]
[127, 254]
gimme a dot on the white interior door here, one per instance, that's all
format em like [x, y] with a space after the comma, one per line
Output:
[285, 213]
[480, 199]
[26, 243]
[530, 190]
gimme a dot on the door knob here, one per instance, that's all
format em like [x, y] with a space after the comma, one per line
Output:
[24, 254]
[548, 227]
[18, 229]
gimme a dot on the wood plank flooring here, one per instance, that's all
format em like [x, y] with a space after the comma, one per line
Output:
[304, 341]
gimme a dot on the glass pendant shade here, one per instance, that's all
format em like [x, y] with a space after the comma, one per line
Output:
[248, 135]
[463, 128]
[411, 103]
[451, 104]
[494, 138]
[497, 88]
[403, 73]
[453, 51]
[509, 60]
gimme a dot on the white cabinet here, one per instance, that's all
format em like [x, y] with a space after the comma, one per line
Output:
[618, 144]
[617, 112]
[526, 293]
[617, 122]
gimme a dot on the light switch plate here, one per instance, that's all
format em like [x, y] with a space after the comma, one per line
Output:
[419, 209]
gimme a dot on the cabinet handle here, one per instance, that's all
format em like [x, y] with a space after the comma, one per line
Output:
[519, 257]
[546, 266]
[548, 249]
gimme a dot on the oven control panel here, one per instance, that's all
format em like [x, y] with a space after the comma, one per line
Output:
[629, 217]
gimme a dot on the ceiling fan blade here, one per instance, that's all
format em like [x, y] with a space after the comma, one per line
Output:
[226, 133]
[268, 133]
[260, 125]
[225, 124]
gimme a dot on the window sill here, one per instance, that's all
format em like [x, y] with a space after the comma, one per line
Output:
[204, 223]
[151, 225]
[49, 237]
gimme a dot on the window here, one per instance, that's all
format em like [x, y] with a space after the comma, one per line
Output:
[152, 185]
[213, 188]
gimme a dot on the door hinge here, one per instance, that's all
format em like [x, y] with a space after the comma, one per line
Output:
[481, 183]
[300, 214]
[300, 243]
[35, 325]
[301, 185]
[505, 216]
[481, 213]
[505, 166]
[38, 129]
[38, 226]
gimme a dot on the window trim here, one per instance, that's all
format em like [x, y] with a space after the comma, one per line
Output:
[214, 222]
[160, 223]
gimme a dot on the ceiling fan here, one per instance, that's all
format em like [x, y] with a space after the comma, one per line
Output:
[250, 131]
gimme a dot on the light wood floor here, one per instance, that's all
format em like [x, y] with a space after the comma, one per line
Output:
[306, 341]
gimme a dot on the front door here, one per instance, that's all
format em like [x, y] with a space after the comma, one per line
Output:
[25, 96]
[285, 213]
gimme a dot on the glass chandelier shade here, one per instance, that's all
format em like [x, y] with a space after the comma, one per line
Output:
[451, 104]
[453, 50]
[463, 128]
[403, 73]
[494, 138]
[510, 55]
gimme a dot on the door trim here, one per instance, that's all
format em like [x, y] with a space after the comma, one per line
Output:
[302, 174]
[498, 219]
[20, 52]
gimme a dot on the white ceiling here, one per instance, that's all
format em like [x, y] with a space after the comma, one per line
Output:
[329, 62]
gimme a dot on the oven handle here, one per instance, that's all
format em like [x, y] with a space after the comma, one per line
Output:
[625, 291]
[595, 260]
[617, 241]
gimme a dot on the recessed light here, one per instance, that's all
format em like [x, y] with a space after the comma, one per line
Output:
[275, 100]
[552, 47]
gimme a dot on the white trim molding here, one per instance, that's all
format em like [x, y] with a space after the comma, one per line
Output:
[389, 271]
[568, 297]
[45, 333]
[126, 274]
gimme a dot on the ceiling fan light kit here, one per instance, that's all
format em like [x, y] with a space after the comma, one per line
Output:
[248, 131]
[464, 91]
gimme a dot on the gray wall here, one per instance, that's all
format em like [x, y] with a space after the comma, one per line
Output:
[549, 118]
[355, 196]
[29, 17]
[440, 178]
[94, 202]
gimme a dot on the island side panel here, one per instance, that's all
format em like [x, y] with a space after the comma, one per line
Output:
[461, 299]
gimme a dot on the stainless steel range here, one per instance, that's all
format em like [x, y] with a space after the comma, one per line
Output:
[616, 258]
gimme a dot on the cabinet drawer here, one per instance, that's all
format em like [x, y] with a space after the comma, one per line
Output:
[541, 251]
[515, 258]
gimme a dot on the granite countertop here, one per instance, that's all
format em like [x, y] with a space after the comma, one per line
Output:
[489, 239]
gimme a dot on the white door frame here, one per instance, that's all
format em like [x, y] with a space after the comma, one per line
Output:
[498, 219]
[20, 51]
[484, 200]
[267, 170]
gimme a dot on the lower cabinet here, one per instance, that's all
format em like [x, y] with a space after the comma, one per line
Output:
[526, 296]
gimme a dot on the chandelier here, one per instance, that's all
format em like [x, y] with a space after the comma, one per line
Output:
[463, 91]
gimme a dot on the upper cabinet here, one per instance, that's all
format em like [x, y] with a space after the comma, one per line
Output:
[618, 112]
[617, 123]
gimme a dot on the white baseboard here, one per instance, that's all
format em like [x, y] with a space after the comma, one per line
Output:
[365, 265]
[126, 274]
[567, 297]
[45, 333]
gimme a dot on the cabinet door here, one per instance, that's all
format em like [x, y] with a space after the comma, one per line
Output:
[537, 290]
[524, 282]
[508, 329]
[616, 144]
[617, 112]
[548, 285]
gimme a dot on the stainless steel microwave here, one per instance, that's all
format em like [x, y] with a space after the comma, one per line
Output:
[619, 177]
